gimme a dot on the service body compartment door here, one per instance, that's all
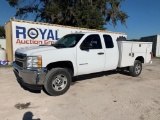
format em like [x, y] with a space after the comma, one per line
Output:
[125, 54]
[139, 47]
[148, 53]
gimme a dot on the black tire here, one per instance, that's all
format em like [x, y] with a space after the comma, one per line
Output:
[55, 79]
[136, 69]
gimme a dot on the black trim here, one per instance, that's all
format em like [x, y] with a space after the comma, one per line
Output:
[25, 85]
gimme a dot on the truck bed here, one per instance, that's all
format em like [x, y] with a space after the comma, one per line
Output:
[130, 50]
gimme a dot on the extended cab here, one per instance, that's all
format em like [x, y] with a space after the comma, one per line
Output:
[53, 66]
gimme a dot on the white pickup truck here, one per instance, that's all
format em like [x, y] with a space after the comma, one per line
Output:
[53, 66]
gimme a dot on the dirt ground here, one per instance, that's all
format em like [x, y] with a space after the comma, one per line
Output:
[102, 96]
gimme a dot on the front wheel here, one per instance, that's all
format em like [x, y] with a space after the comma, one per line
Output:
[57, 81]
[136, 69]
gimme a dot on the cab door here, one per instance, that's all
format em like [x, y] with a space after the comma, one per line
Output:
[90, 55]
[111, 53]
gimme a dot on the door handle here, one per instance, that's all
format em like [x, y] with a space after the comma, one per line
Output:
[101, 53]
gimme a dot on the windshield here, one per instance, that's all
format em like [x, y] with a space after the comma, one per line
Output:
[70, 40]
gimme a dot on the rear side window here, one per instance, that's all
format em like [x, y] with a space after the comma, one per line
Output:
[108, 41]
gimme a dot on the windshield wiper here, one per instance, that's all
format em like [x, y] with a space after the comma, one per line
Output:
[58, 45]
[44, 45]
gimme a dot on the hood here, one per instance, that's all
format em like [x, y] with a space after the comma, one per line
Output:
[34, 49]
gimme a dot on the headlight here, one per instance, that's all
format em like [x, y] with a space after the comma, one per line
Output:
[34, 61]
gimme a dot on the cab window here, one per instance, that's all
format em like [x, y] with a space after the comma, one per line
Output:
[108, 41]
[93, 40]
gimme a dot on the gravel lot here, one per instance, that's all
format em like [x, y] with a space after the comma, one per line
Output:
[103, 96]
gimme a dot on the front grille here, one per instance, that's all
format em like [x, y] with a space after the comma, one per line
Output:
[20, 59]
[20, 64]
[20, 56]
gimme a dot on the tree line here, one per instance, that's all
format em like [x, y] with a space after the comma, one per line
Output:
[92, 14]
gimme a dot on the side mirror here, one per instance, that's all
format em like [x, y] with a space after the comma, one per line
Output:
[86, 46]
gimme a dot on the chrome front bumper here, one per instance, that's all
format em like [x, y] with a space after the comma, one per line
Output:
[30, 76]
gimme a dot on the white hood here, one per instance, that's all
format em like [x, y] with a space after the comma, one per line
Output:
[34, 49]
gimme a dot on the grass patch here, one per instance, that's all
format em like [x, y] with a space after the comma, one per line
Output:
[6, 66]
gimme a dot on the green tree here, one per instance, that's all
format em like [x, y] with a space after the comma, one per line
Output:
[2, 32]
[81, 13]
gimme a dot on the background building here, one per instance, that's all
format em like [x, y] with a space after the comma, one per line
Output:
[3, 43]
[156, 44]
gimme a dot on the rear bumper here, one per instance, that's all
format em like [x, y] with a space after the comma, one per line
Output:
[32, 78]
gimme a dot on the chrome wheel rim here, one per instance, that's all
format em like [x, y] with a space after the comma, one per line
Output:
[59, 83]
[138, 69]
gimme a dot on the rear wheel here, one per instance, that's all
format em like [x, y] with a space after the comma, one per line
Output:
[57, 81]
[136, 69]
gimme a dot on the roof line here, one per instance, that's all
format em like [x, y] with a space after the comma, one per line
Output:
[41, 23]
